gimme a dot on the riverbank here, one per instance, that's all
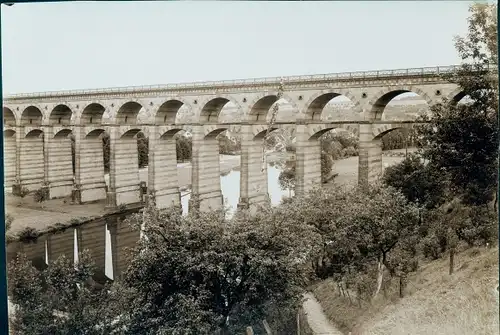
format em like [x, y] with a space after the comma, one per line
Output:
[27, 213]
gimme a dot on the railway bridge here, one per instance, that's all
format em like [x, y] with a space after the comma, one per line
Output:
[38, 148]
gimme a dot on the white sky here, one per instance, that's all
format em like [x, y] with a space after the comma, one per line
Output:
[55, 46]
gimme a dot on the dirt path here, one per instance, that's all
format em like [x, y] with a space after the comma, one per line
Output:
[316, 318]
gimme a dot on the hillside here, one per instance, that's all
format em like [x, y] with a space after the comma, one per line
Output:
[435, 303]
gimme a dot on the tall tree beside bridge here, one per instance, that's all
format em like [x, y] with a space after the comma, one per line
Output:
[461, 140]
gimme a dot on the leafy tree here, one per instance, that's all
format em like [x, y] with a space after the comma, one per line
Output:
[60, 299]
[200, 274]
[461, 140]
[418, 182]
[142, 149]
[184, 147]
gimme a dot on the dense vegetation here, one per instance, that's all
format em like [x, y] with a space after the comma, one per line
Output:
[205, 274]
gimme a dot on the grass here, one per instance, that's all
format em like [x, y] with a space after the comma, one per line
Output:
[435, 303]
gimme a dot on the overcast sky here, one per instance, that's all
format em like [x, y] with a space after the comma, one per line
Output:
[76, 45]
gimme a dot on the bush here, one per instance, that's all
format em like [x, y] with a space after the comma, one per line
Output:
[28, 234]
[41, 195]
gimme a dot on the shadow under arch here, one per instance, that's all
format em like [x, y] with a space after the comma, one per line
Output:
[92, 114]
[63, 133]
[9, 117]
[316, 105]
[31, 116]
[128, 112]
[212, 109]
[168, 111]
[169, 134]
[260, 107]
[60, 114]
[131, 133]
[34, 133]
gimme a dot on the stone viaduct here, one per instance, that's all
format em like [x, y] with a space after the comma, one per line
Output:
[38, 149]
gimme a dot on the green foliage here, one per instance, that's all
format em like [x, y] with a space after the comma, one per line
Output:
[461, 140]
[184, 145]
[229, 145]
[8, 221]
[417, 181]
[142, 149]
[41, 194]
[28, 234]
[106, 150]
[59, 299]
[201, 271]
[24, 192]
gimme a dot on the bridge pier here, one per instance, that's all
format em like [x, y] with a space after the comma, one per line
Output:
[89, 167]
[253, 181]
[10, 157]
[32, 160]
[308, 161]
[370, 156]
[206, 190]
[124, 185]
[59, 167]
[163, 181]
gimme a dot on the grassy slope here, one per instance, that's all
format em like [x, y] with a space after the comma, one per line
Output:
[435, 303]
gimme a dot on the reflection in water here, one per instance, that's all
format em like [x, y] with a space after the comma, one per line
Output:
[230, 186]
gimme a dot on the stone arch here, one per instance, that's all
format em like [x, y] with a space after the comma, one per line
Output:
[31, 116]
[378, 103]
[34, 133]
[168, 110]
[214, 131]
[381, 130]
[211, 109]
[128, 112]
[315, 105]
[169, 134]
[131, 133]
[259, 131]
[456, 95]
[92, 114]
[63, 133]
[261, 104]
[9, 117]
[95, 133]
[9, 133]
[60, 114]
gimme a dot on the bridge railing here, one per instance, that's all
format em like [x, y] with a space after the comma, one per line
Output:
[436, 70]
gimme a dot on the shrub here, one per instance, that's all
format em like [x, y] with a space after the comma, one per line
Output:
[28, 234]
[41, 195]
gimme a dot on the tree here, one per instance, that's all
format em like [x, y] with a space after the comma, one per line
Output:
[200, 274]
[60, 299]
[419, 183]
[461, 140]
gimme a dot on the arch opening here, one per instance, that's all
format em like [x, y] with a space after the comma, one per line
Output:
[9, 133]
[31, 116]
[92, 114]
[399, 105]
[167, 113]
[34, 133]
[169, 134]
[214, 133]
[63, 133]
[329, 106]
[210, 113]
[9, 118]
[128, 112]
[131, 133]
[262, 110]
[61, 114]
